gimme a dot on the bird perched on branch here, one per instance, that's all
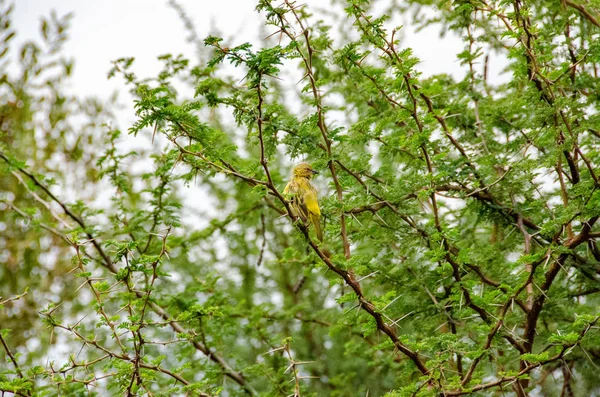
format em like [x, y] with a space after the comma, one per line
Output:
[303, 197]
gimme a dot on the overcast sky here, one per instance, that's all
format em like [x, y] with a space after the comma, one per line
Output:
[103, 31]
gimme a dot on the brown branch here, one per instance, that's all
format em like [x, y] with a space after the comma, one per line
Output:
[348, 277]
[525, 370]
[108, 264]
[521, 348]
[487, 198]
[537, 305]
[67, 211]
[307, 60]
[12, 357]
[370, 308]
[583, 11]
[449, 248]
[373, 208]
[156, 211]
[259, 121]
[122, 357]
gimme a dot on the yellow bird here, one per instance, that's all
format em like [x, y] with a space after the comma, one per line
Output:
[303, 197]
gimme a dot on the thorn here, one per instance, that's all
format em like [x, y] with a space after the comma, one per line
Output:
[402, 318]
[303, 77]
[394, 300]
[356, 219]
[273, 34]
[381, 219]
[274, 350]
[154, 132]
[367, 276]
[352, 308]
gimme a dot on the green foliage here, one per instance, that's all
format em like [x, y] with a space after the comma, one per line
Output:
[459, 213]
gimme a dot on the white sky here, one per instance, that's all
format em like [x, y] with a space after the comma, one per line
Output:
[102, 31]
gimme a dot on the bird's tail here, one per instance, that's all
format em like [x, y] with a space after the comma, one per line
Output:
[316, 220]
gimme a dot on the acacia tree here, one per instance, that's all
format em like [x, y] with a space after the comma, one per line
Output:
[460, 215]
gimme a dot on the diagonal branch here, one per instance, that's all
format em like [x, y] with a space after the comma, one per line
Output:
[307, 60]
[107, 263]
[347, 276]
[583, 11]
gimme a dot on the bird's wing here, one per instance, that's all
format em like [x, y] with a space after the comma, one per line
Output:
[296, 194]
[288, 188]
[311, 202]
[314, 212]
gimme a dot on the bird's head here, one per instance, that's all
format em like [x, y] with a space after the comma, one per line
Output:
[304, 170]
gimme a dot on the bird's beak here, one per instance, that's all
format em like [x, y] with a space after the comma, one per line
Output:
[315, 172]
